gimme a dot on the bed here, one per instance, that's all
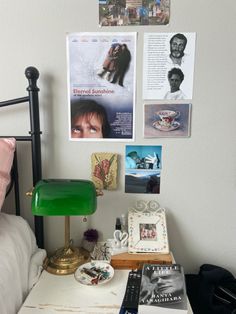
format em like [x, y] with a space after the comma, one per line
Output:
[21, 250]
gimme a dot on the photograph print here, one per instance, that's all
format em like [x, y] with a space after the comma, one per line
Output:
[133, 12]
[143, 169]
[101, 90]
[167, 120]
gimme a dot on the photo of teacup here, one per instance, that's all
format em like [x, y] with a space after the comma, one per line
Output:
[167, 118]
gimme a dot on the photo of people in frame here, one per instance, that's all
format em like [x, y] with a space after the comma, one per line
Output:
[148, 232]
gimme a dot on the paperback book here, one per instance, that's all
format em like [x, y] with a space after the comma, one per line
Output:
[162, 289]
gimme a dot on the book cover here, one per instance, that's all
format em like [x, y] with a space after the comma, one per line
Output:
[162, 289]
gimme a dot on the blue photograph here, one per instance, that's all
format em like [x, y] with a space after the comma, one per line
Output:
[143, 166]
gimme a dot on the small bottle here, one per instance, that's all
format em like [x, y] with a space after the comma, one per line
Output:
[118, 224]
[123, 223]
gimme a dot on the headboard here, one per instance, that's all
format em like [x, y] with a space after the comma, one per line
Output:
[32, 74]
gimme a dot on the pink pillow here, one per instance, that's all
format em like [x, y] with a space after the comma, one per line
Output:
[7, 148]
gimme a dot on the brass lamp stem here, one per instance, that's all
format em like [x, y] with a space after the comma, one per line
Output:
[67, 231]
[67, 259]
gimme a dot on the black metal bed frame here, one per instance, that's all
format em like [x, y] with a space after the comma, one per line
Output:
[32, 74]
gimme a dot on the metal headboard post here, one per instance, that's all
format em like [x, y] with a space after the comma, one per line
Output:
[32, 75]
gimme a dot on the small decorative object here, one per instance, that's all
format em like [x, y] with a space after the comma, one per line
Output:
[94, 273]
[120, 238]
[101, 252]
[147, 228]
[104, 170]
[90, 239]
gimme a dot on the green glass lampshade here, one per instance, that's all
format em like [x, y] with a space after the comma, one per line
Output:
[62, 197]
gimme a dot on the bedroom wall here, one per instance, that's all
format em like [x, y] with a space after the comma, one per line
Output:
[198, 183]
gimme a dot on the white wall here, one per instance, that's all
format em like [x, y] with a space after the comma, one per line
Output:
[198, 183]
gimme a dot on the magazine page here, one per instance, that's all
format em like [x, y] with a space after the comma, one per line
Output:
[168, 65]
[101, 72]
[162, 286]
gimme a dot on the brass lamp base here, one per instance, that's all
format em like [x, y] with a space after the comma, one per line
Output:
[66, 260]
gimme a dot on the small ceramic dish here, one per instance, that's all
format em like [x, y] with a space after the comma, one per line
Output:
[94, 273]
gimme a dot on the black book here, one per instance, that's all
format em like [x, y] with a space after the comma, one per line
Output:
[162, 289]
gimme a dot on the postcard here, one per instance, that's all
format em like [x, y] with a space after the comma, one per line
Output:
[143, 169]
[167, 120]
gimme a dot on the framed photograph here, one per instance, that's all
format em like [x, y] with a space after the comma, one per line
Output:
[147, 229]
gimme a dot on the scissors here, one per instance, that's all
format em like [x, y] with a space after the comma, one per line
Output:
[121, 238]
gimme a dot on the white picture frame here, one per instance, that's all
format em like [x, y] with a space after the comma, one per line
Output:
[147, 228]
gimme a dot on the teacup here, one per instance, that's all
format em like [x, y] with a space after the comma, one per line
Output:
[167, 117]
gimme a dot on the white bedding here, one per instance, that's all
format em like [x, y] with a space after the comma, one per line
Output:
[20, 262]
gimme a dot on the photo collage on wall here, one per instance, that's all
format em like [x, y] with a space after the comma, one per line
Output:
[101, 90]
[134, 12]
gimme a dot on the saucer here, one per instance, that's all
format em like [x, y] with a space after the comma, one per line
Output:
[175, 125]
[94, 273]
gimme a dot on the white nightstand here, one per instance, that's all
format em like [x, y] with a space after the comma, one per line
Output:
[63, 294]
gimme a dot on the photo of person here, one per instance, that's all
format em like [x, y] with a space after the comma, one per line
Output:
[162, 282]
[143, 169]
[175, 78]
[116, 64]
[132, 160]
[101, 72]
[89, 120]
[175, 51]
[148, 232]
[110, 63]
[178, 43]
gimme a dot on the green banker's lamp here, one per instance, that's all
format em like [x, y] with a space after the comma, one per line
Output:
[61, 197]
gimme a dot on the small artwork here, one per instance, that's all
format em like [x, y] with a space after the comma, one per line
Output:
[133, 12]
[147, 228]
[104, 170]
[143, 169]
[167, 120]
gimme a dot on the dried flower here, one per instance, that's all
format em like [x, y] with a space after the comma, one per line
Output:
[91, 235]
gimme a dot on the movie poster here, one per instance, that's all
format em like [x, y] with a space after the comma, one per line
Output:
[101, 88]
[168, 65]
[133, 12]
